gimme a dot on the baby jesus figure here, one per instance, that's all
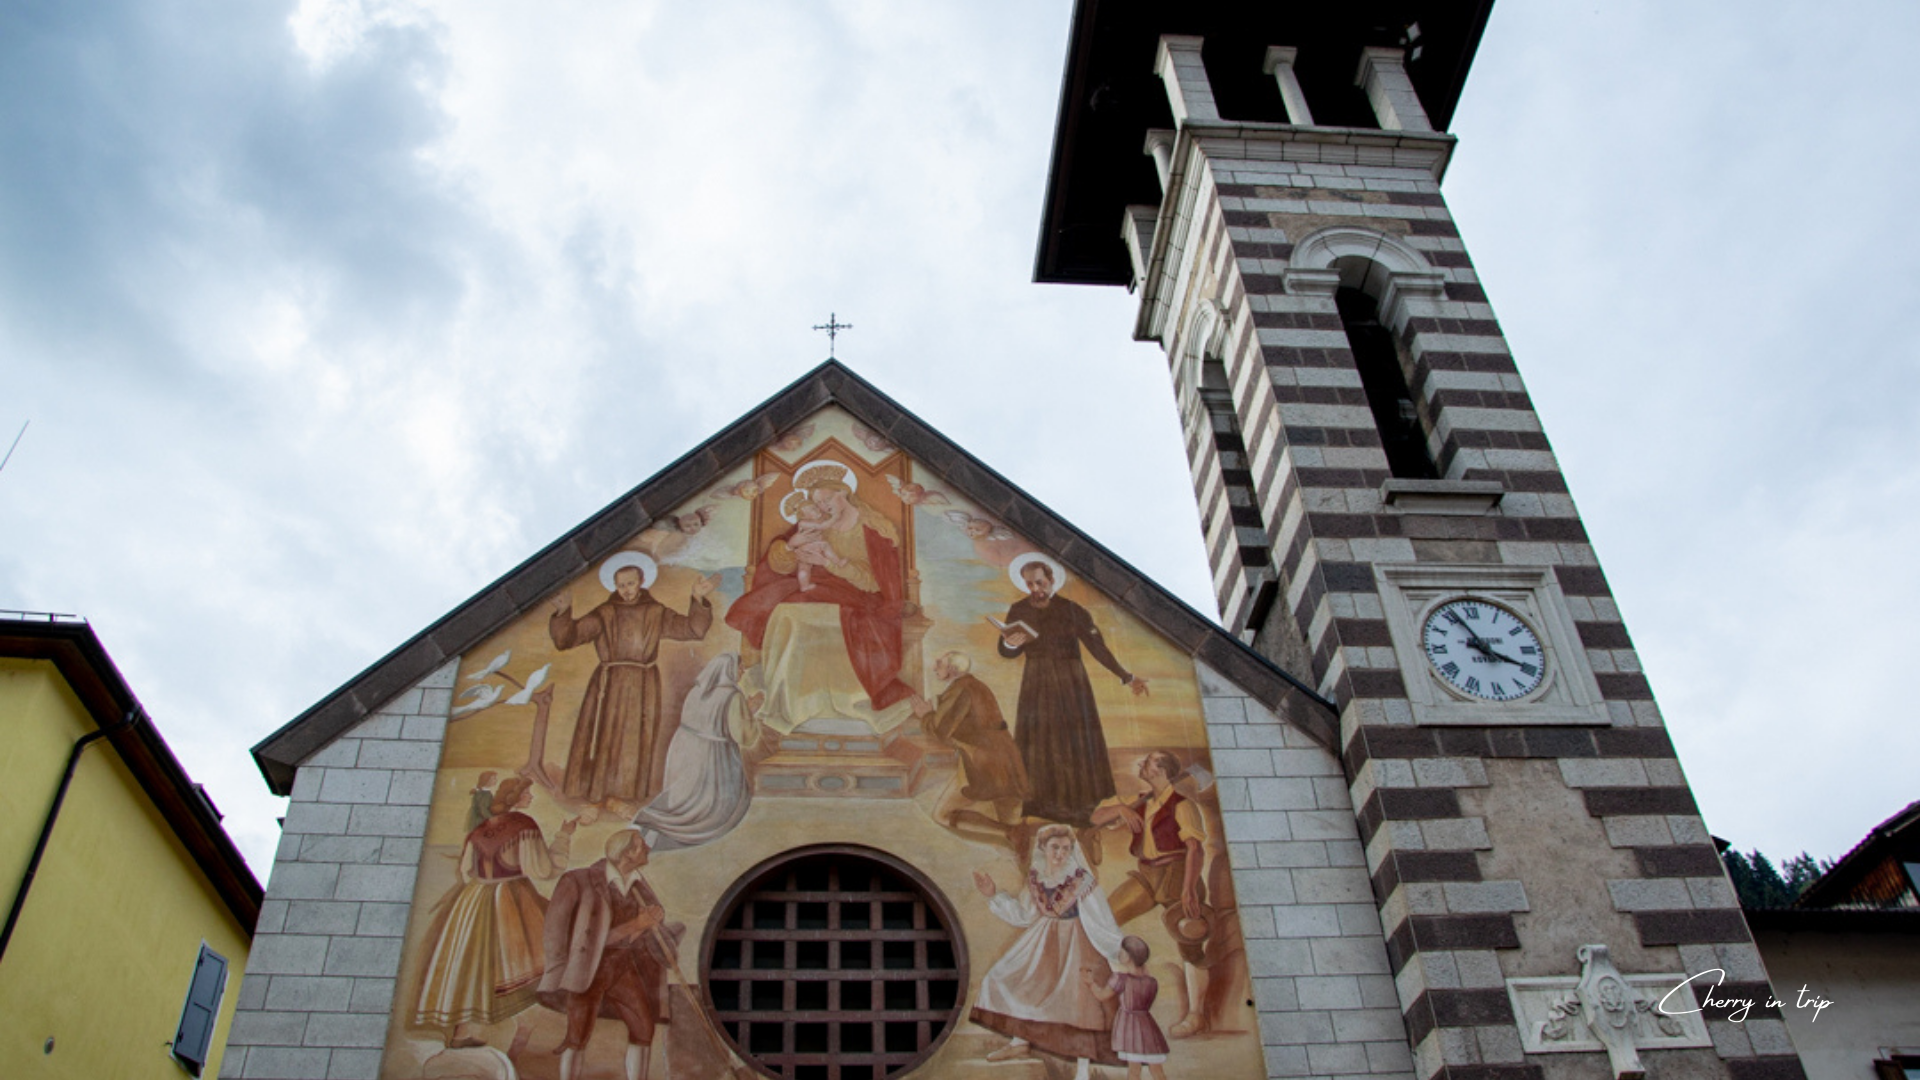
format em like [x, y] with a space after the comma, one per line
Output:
[809, 543]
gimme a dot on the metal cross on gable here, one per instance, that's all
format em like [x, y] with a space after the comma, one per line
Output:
[832, 326]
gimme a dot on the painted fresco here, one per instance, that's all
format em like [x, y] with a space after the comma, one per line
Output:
[829, 646]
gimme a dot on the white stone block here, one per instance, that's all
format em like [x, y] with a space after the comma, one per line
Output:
[387, 883]
[1636, 830]
[354, 786]
[1291, 793]
[306, 993]
[1650, 894]
[405, 703]
[268, 1029]
[322, 917]
[1261, 886]
[339, 849]
[338, 754]
[1711, 892]
[354, 1064]
[1337, 1058]
[399, 754]
[1479, 969]
[287, 954]
[285, 1063]
[369, 820]
[302, 881]
[1349, 956]
[1332, 885]
[363, 956]
[1290, 854]
[382, 920]
[1306, 920]
[1322, 825]
[1255, 826]
[347, 1029]
[372, 995]
[411, 788]
[1603, 772]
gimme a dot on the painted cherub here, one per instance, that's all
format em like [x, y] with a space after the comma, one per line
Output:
[809, 542]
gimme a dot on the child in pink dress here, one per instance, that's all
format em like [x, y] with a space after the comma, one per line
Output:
[1137, 1039]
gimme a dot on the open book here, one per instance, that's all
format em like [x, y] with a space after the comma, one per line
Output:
[1017, 624]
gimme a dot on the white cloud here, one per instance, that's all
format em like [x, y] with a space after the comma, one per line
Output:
[328, 314]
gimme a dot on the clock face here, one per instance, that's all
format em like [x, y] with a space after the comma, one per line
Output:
[1483, 650]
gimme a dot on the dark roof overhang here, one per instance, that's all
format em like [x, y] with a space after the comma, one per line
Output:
[1110, 97]
[74, 650]
[535, 580]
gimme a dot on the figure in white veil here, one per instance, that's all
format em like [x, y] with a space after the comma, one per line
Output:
[704, 793]
[1035, 993]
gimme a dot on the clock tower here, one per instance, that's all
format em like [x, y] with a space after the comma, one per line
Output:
[1386, 519]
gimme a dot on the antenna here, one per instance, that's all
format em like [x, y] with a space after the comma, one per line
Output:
[16, 443]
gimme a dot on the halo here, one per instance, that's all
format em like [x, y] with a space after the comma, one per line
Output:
[846, 473]
[793, 516]
[1020, 563]
[647, 567]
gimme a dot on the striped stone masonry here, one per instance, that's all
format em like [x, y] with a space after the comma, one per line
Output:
[1481, 845]
[320, 980]
[1327, 1001]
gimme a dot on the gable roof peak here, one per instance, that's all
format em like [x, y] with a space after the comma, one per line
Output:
[829, 383]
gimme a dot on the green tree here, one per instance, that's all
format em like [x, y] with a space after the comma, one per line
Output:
[1759, 885]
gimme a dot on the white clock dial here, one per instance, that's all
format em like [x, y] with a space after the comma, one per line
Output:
[1483, 650]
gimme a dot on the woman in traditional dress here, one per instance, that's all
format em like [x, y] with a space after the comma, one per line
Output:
[486, 955]
[1036, 992]
[706, 791]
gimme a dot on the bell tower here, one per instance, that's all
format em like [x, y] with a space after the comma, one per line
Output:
[1386, 519]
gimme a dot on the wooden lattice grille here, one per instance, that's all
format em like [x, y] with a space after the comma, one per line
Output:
[835, 964]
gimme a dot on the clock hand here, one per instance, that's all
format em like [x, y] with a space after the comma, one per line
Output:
[1498, 656]
[1479, 645]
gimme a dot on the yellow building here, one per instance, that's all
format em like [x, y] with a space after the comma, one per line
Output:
[129, 912]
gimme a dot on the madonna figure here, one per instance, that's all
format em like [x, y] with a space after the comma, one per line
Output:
[1037, 992]
[826, 608]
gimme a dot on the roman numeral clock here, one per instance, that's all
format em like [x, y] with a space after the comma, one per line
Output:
[1487, 644]
[1483, 650]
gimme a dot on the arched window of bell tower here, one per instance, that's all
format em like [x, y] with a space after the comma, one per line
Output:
[1383, 378]
[1372, 277]
[1230, 504]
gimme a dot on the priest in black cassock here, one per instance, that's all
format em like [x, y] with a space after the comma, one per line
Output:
[1057, 725]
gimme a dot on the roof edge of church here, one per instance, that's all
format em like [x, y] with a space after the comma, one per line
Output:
[831, 383]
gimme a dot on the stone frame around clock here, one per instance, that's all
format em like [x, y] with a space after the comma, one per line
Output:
[1568, 695]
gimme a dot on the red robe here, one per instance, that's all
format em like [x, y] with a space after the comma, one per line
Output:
[869, 621]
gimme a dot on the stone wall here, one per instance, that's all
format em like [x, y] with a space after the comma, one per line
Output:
[1327, 1002]
[320, 982]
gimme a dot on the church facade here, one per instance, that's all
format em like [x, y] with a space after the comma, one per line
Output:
[829, 753]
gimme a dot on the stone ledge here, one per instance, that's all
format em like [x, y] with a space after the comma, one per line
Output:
[1459, 497]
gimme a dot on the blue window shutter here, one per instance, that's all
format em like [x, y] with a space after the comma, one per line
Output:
[202, 1010]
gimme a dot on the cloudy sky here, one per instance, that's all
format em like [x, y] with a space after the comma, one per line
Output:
[326, 314]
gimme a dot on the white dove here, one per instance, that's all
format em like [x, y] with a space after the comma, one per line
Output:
[493, 666]
[484, 696]
[534, 682]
